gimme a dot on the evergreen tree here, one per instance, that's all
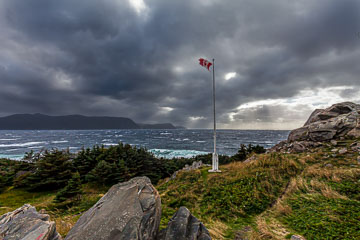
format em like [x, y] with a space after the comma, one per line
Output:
[53, 171]
[103, 173]
[86, 160]
[71, 190]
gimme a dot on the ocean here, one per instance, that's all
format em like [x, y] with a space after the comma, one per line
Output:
[163, 143]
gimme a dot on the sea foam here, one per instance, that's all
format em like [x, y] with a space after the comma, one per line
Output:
[169, 153]
[20, 144]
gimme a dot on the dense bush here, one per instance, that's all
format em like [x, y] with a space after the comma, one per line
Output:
[52, 169]
[245, 151]
[72, 189]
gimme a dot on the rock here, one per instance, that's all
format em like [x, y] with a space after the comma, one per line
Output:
[21, 173]
[358, 159]
[250, 159]
[333, 142]
[242, 234]
[334, 150]
[355, 146]
[27, 224]
[297, 147]
[335, 122]
[129, 210]
[297, 237]
[194, 165]
[184, 226]
[342, 151]
[329, 165]
[298, 134]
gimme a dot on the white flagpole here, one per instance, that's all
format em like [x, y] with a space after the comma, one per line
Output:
[215, 159]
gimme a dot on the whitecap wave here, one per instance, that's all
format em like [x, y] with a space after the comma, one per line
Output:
[110, 144]
[13, 157]
[200, 141]
[169, 153]
[20, 144]
[12, 150]
[9, 139]
[63, 141]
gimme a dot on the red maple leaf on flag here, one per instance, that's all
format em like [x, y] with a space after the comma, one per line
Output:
[205, 63]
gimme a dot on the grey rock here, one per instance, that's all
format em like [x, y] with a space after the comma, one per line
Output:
[129, 210]
[342, 151]
[329, 165]
[250, 159]
[358, 159]
[297, 147]
[355, 146]
[195, 165]
[299, 134]
[333, 142]
[297, 237]
[26, 223]
[334, 150]
[184, 226]
[335, 122]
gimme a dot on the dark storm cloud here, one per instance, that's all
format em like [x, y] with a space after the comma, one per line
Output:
[108, 58]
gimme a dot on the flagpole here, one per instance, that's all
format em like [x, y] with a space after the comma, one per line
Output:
[215, 159]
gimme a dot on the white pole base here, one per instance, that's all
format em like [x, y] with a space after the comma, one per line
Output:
[215, 163]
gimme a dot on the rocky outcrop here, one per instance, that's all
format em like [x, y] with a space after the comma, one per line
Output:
[129, 210]
[27, 224]
[184, 226]
[295, 147]
[195, 165]
[324, 125]
[339, 120]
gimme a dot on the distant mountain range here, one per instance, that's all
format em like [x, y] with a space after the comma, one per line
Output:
[73, 122]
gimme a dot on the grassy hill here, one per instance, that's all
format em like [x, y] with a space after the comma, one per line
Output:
[314, 194]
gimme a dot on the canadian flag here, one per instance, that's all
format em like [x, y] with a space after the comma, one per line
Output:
[205, 63]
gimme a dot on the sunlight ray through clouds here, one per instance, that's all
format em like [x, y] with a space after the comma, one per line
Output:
[230, 75]
[138, 5]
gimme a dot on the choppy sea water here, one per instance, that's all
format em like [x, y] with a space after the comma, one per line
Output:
[163, 143]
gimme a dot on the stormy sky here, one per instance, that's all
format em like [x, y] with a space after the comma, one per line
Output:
[276, 61]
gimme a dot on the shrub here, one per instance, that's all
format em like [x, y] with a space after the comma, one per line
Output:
[72, 189]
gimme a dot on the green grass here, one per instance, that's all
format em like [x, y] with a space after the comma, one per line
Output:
[11, 199]
[318, 217]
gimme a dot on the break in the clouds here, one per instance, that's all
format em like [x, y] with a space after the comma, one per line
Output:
[276, 60]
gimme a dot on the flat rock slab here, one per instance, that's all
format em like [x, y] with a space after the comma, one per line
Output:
[128, 211]
[184, 226]
[26, 223]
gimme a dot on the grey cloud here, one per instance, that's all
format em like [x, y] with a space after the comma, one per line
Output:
[97, 58]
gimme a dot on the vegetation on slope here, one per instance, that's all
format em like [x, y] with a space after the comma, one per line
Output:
[315, 195]
[66, 184]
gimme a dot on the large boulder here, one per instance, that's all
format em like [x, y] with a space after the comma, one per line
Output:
[339, 120]
[129, 210]
[26, 223]
[184, 226]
